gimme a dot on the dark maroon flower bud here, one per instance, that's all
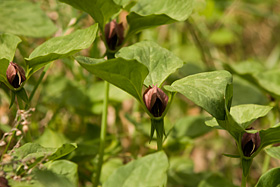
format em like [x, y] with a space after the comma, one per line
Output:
[4, 182]
[15, 75]
[250, 143]
[114, 34]
[155, 100]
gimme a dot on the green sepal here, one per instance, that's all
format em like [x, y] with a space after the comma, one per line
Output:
[231, 156]
[22, 94]
[13, 97]
[246, 164]
[158, 125]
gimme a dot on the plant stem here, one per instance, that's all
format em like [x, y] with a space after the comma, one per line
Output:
[102, 134]
[265, 163]
[158, 125]
[243, 182]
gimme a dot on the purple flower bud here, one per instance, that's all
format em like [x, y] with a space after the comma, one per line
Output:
[15, 75]
[250, 143]
[114, 34]
[155, 100]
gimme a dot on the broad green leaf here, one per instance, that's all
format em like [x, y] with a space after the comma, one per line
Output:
[270, 81]
[24, 18]
[109, 167]
[273, 152]
[60, 47]
[270, 136]
[246, 67]
[33, 150]
[8, 46]
[127, 75]
[52, 139]
[208, 90]
[50, 178]
[270, 179]
[146, 13]
[245, 92]
[246, 114]
[150, 170]
[159, 61]
[100, 10]
[191, 126]
[66, 168]
[215, 180]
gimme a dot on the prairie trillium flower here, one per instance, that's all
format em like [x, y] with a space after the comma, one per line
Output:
[250, 143]
[15, 75]
[155, 100]
[114, 34]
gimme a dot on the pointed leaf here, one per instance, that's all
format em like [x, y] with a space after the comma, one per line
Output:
[60, 47]
[160, 62]
[150, 170]
[8, 46]
[146, 13]
[270, 81]
[273, 152]
[127, 75]
[270, 179]
[100, 10]
[246, 114]
[208, 90]
[270, 136]
[24, 18]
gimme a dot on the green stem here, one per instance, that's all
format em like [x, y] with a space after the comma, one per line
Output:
[265, 163]
[12, 137]
[243, 182]
[37, 84]
[158, 125]
[102, 135]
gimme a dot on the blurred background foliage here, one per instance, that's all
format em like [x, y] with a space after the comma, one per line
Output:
[220, 34]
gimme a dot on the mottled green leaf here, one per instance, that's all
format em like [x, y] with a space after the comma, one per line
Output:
[60, 47]
[270, 179]
[246, 114]
[100, 10]
[127, 75]
[146, 13]
[24, 18]
[160, 62]
[150, 170]
[208, 90]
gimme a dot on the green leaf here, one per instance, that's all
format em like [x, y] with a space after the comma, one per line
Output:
[208, 90]
[246, 164]
[100, 10]
[65, 168]
[23, 95]
[160, 61]
[215, 180]
[191, 126]
[245, 115]
[8, 46]
[146, 13]
[270, 179]
[270, 81]
[246, 67]
[127, 75]
[150, 170]
[24, 18]
[273, 152]
[60, 47]
[51, 138]
[270, 136]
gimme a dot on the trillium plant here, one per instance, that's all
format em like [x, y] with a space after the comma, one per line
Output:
[140, 68]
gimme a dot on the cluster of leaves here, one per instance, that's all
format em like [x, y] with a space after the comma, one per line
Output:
[143, 63]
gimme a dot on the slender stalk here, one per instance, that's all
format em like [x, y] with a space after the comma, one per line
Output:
[265, 163]
[102, 135]
[158, 124]
[243, 182]
[159, 141]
